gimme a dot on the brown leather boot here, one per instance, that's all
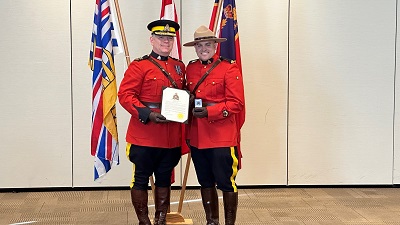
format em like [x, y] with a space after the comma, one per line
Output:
[230, 207]
[162, 199]
[139, 202]
[209, 197]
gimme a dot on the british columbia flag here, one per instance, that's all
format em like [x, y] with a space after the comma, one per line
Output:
[105, 43]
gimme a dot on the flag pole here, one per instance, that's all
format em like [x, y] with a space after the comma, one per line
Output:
[189, 157]
[127, 57]
[121, 25]
[175, 218]
[217, 16]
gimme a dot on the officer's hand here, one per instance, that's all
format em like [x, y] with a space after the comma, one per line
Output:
[156, 117]
[200, 112]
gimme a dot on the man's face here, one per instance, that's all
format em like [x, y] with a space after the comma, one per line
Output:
[162, 45]
[205, 49]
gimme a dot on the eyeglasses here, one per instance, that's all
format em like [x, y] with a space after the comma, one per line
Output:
[164, 38]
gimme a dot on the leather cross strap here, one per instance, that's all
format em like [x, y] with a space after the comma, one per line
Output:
[164, 72]
[204, 76]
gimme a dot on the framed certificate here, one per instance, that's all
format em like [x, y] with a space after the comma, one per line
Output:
[175, 104]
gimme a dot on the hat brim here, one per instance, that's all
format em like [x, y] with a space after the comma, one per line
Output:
[192, 43]
[164, 33]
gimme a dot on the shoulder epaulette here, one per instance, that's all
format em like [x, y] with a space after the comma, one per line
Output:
[175, 59]
[193, 61]
[142, 58]
[227, 60]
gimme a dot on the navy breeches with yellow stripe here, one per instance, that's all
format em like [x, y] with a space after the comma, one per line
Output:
[149, 160]
[216, 166]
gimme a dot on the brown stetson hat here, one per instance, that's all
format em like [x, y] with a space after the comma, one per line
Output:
[204, 34]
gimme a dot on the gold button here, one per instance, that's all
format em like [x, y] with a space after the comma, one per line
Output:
[213, 82]
[205, 67]
[155, 78]
[198, 90]
[237, 78]
[190, 82]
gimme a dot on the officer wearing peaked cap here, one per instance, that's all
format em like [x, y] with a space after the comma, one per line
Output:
[163, 27]
[153, 143]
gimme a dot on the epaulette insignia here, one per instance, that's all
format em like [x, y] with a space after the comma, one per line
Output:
[175, 59]
[142, 58]
[193, 61]
[227, 60]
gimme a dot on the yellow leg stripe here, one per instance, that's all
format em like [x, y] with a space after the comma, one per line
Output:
[234, 168]
[127, 151]
[133, 176]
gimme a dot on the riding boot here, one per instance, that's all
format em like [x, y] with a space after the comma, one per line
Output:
[162, 200]
[209, 197]
[139, 202]
[230, 207]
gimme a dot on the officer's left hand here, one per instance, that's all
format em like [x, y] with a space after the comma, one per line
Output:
[200, 112]
[156, 117]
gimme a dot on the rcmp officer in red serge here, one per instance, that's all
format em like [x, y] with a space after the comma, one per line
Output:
[153, 143]
[212, 134]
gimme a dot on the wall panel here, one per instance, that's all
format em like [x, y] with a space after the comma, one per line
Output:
[263, 31]
[341, 92]
[396, 150]
[35, 94]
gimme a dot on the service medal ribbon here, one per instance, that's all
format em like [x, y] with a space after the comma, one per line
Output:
[178, 70]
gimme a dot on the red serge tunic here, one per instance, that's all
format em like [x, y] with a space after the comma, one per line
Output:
[143, 83]
[222, 91]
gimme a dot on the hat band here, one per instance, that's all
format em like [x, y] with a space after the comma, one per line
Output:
[162, 28]
[202, 38]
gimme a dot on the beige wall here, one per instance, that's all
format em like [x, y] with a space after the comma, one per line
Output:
[341, 92]
[35, 95]
[319, 85]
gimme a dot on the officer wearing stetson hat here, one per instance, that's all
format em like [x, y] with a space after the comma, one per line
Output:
[153, 143]
[213, 133]
[204, 34]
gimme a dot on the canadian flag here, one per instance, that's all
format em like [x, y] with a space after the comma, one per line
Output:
[168, 12]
